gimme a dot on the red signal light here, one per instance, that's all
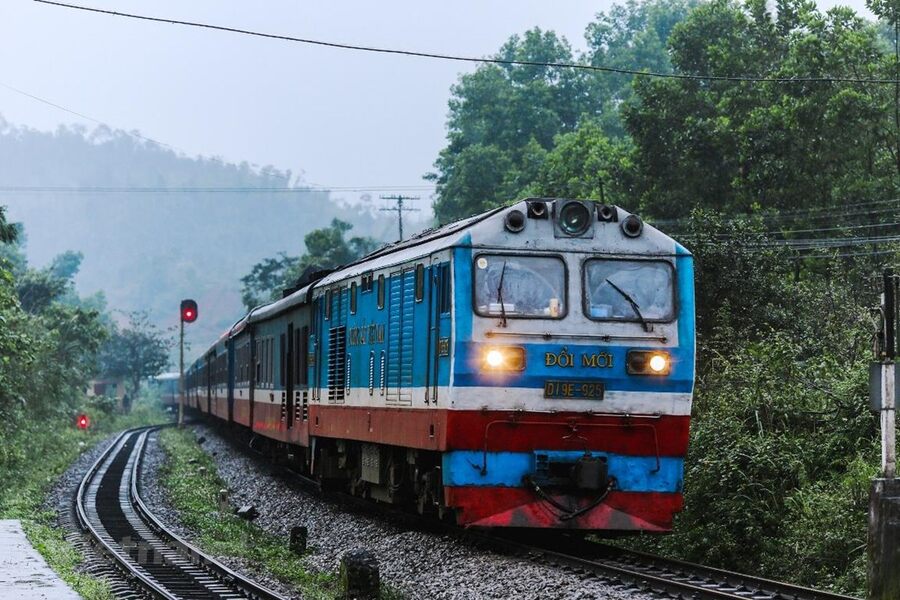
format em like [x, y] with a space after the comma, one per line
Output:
[188, 311]
[83, 422]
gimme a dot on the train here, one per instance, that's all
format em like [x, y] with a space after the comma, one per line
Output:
[529, 367]
[167, 386]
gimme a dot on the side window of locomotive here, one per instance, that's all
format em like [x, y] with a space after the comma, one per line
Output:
[328, 304]
[303, 356]
[380, 292]
[420, 282]
[353, 298]
[446, 288]
[258, 363]
[520, 286]
[272, 361]
[629, 290]
[282, 360]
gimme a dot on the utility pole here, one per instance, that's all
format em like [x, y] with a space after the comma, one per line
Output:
[188, 315]
[181, 375]
[884, 497]
[400, 209]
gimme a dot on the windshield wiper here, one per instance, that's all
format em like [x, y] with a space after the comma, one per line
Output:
[633, 303]
[500, 296]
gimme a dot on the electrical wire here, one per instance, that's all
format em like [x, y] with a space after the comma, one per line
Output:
[674, 224]
[86, 117]
[844, 255]
[471, 59]
[203, 190]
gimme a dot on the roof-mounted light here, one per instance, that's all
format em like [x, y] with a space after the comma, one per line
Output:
[632, 226]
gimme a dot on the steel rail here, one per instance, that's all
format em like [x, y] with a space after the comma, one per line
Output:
[677, 578]
[98, 535]
[184, 571]
[234, 579]
[777, 589]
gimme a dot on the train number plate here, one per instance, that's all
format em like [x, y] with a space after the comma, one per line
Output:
[592, 390]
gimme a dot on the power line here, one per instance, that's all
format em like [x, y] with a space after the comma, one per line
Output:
[400, 209]
[816, 243]
[470, 59]
[202, 190]
[86, 117]
[843, 255]
[773, 219]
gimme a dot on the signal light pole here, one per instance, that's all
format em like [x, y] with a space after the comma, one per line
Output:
[188, 315]
[884, 496]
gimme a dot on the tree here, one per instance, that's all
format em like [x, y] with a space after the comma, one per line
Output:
[66, 265]
[8, 231]
[135, 352]
[584, 164]
[38, 289]
[264, 279]
[499, 115]
[729, 145]
[629, 36]
[326, 248]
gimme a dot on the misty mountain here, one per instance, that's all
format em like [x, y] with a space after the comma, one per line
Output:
[147, 248]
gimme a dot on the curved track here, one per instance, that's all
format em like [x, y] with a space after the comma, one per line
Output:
[110, 509]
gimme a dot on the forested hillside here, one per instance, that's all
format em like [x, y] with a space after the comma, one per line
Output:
[146, 249]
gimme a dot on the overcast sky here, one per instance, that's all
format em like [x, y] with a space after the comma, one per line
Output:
[340, 118]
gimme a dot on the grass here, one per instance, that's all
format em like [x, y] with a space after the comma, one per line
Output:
[190, 477]
[32, 457]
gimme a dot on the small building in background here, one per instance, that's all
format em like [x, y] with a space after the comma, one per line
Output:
[108, 387]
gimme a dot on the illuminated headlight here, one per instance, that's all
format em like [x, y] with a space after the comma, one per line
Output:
[503, 358]
[654, 362]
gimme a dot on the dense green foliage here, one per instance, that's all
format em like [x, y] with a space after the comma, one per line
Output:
[783, 445]
[667, 146]
[48, 348]
[49, 343]
[326, 248]
[505, 119]
[728, 146]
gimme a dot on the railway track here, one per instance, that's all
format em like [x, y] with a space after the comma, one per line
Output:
[110, 509]
[666, 577]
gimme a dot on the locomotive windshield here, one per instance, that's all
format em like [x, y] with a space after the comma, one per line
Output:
[629, 290]
[517, 286]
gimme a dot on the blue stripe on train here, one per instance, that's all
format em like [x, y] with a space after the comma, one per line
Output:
[684, 265]
[506, 469]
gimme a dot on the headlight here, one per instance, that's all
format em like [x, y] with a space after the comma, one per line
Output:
[503, 358]
[574, 218]
[653, 362]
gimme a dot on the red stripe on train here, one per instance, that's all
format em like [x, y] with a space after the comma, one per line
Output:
[518, 507]
[442, 429]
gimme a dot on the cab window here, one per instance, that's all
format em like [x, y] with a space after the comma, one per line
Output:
[520, 286]
[629, 290]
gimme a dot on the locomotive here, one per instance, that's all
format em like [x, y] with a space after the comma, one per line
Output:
[532, 366]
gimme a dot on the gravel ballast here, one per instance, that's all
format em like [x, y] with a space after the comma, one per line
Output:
[418, 564]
